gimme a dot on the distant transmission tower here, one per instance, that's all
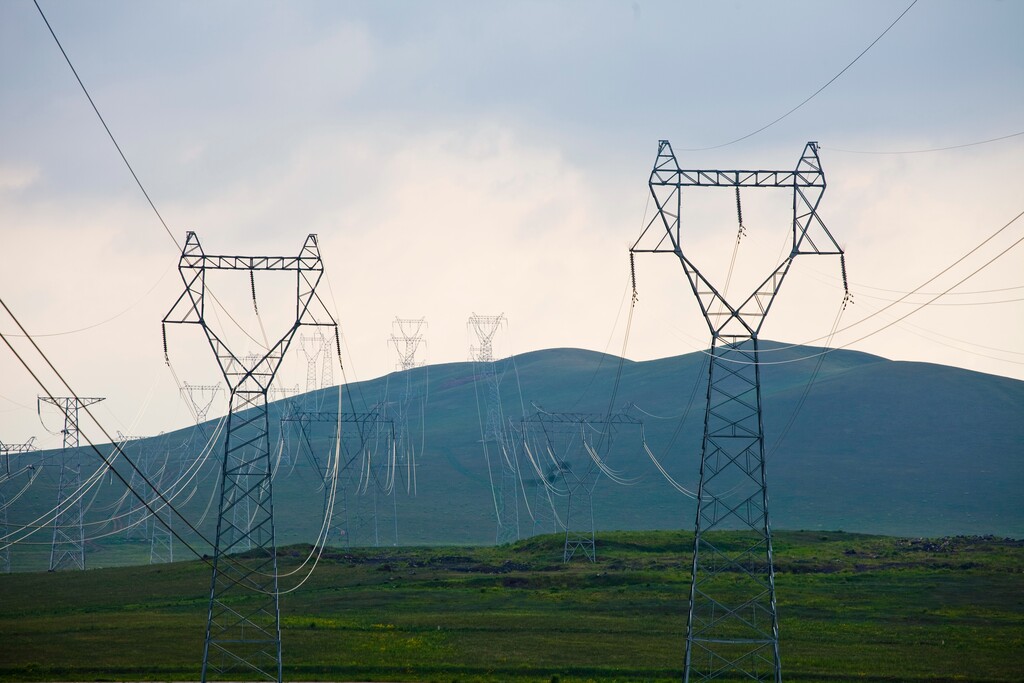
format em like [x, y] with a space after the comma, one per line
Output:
[200, 397]
[374, 438]
[68, 548]
[732, 627]
[246, 642]
[407, 339]
[6, 474]
[494, 435]
[575, 461]
[7, 449]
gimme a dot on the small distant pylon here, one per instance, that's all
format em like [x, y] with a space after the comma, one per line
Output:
[6, 475]
[6, 449]
[199, 398]
[407, 340]
[316, 348]
[506, 492]
[577, 464]
[67, 550]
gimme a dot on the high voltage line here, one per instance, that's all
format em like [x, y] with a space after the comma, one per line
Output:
[811, 96]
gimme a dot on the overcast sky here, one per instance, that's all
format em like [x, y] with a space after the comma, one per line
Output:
[493, 157]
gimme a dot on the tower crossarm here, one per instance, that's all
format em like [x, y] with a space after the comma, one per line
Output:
[581, 418]
[9, 448]
[713, 178]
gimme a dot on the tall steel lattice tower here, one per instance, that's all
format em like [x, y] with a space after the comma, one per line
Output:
[68, 548]
[243, 631]
[495, 434]
[732, 627]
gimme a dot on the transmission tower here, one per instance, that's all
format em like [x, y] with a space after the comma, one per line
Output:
[7, 449]
[572, 464]
[68, 547]
[246, 642]
[362, 470]
[494, 435]
[6, 475]
[407, 340]
[732, 625]
[200, 397]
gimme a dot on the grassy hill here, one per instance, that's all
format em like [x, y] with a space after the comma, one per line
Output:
[871, 445]
[851, 607]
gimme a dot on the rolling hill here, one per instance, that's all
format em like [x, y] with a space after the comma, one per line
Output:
[870, 445]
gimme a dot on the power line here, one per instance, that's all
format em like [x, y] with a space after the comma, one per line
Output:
[106, 127]
[812, 96]
[925, 151]
[105, 460]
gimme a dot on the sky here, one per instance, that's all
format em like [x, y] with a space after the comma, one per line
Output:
[492, 158]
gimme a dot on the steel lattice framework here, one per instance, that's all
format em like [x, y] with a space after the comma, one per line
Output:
[406, 338]
[6, 449]
[569, 442]
[243, 632]
[495, 433]
[732, 626]
[67, 550]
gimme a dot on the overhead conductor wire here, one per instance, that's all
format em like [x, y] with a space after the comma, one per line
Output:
[812, 95]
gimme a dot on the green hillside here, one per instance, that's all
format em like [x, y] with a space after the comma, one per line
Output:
[851, 607]
[876, 446]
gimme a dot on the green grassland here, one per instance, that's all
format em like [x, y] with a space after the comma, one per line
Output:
[852, 608]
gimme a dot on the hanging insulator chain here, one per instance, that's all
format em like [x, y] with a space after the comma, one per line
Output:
[847, 297]
[337, 345]
[739, 216]
[632, 274]
[167, 358]
[252, 284]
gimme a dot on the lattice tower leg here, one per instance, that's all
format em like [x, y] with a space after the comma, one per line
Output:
[508, 499]
[243, 633]
[732, 628]
[161, 545]
[579, 519]
[5, 552]
[68, 548]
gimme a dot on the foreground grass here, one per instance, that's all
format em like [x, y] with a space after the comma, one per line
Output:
[852, 607]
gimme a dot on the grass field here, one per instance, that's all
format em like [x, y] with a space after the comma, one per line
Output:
[851, 607]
